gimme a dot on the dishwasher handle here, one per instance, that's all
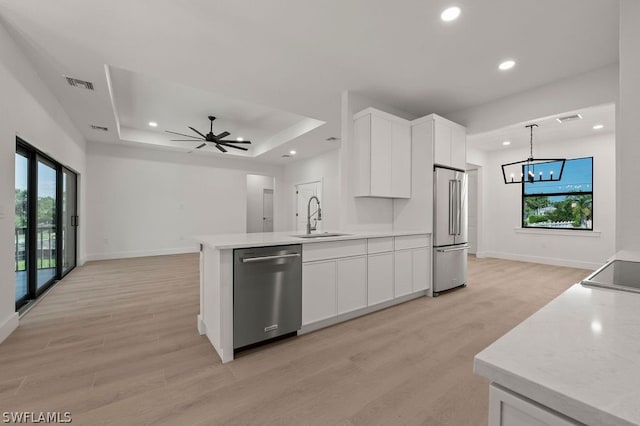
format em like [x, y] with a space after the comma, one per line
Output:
[263, 258]
[452, 249]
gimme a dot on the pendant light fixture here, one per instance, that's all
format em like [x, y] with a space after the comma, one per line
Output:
[532, 169]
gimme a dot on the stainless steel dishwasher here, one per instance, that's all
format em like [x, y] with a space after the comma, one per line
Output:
[267, 293]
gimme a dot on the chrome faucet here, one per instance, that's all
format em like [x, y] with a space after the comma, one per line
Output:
[309, 214]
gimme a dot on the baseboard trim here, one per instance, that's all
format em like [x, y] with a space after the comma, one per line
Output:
[142, 253]
[570, 263]
[8, 326]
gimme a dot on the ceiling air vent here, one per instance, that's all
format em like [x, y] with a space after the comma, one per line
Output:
[285, 156]
[104, 129]
[75, 82]
[332, 138]
[573, 117]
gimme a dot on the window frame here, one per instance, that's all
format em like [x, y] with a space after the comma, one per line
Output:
[555, 194]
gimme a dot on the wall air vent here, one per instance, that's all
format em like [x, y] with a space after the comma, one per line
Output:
[104, 129]
[573, 117]
[79, 83]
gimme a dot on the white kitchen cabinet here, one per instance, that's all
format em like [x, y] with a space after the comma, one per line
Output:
[412, 271]
[382, 150]
[318, 291]
[449, 143]
[510, 409]
[403, 272]
[379, 278]
[352, 283]
[421, 268]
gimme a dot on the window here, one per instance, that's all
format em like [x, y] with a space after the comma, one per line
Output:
[563, 204]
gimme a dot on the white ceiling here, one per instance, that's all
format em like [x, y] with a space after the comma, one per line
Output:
[549, 130]
[299, 55]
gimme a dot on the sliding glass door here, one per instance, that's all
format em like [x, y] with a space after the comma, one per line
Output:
[45, 224]
[69, 220]
[21, 221]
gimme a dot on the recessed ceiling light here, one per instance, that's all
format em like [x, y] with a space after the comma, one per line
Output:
[292, 152]
[153, 124]
[505, 143]
[239, 139]
[598, 127]
[450, 14]
[506, 65]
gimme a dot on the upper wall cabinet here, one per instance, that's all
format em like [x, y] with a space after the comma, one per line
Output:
[449, 143]
[382, 151]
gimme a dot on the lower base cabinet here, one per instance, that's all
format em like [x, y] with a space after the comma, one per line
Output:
[318, 291]
[412, 270]
[380, 278]
[352, 283]
[510, 409]
[421, 268]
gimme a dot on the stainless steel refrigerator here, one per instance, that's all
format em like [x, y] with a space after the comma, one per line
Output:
[450, 212]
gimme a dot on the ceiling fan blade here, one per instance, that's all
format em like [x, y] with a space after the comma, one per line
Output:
[223, 135]
[185, 140]
[231, 146]
[197, 132]
[182, 134]
[229, 141]
[221, 148]
[200, 146]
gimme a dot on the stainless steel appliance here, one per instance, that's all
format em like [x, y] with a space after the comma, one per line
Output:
[449, 229]
[616, 275]
[267, 293]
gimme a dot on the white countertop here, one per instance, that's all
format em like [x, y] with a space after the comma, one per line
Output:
[579, 355]
[261, 239]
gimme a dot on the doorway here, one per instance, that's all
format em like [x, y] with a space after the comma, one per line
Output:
[472, 203]
[260, 207]
[304, 191]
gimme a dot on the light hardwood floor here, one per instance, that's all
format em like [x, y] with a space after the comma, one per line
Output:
[116, 343]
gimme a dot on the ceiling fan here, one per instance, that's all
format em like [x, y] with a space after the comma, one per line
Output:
[218, 140]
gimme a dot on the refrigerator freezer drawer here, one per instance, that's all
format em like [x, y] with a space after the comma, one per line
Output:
[450, 267]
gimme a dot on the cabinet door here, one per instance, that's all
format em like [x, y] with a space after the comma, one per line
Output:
[458, 148]
[401, 160]
[403, 273]
[421, 268]
[318, 291]
[379, 278]
[381, 137]
[442, 144]
[352, 284]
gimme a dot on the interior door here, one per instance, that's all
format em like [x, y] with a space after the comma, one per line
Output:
[267, 210]
[303, 193]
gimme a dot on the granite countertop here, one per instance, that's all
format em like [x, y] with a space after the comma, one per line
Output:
[578, 355]
[259, 239]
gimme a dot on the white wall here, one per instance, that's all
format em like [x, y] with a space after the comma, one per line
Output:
[628, 139]
[361, 213]
[501, 222]
[31, 111]
[596, 87]
[325, 168]
[145, 202]
[256, 184]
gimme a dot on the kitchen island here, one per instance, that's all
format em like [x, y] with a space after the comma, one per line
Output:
[343, 276]
[575, 361]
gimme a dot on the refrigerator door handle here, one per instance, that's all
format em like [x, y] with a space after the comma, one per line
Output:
[459, 206]
[452, 207]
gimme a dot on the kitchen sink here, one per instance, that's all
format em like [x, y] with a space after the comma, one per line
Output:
[326, 234]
